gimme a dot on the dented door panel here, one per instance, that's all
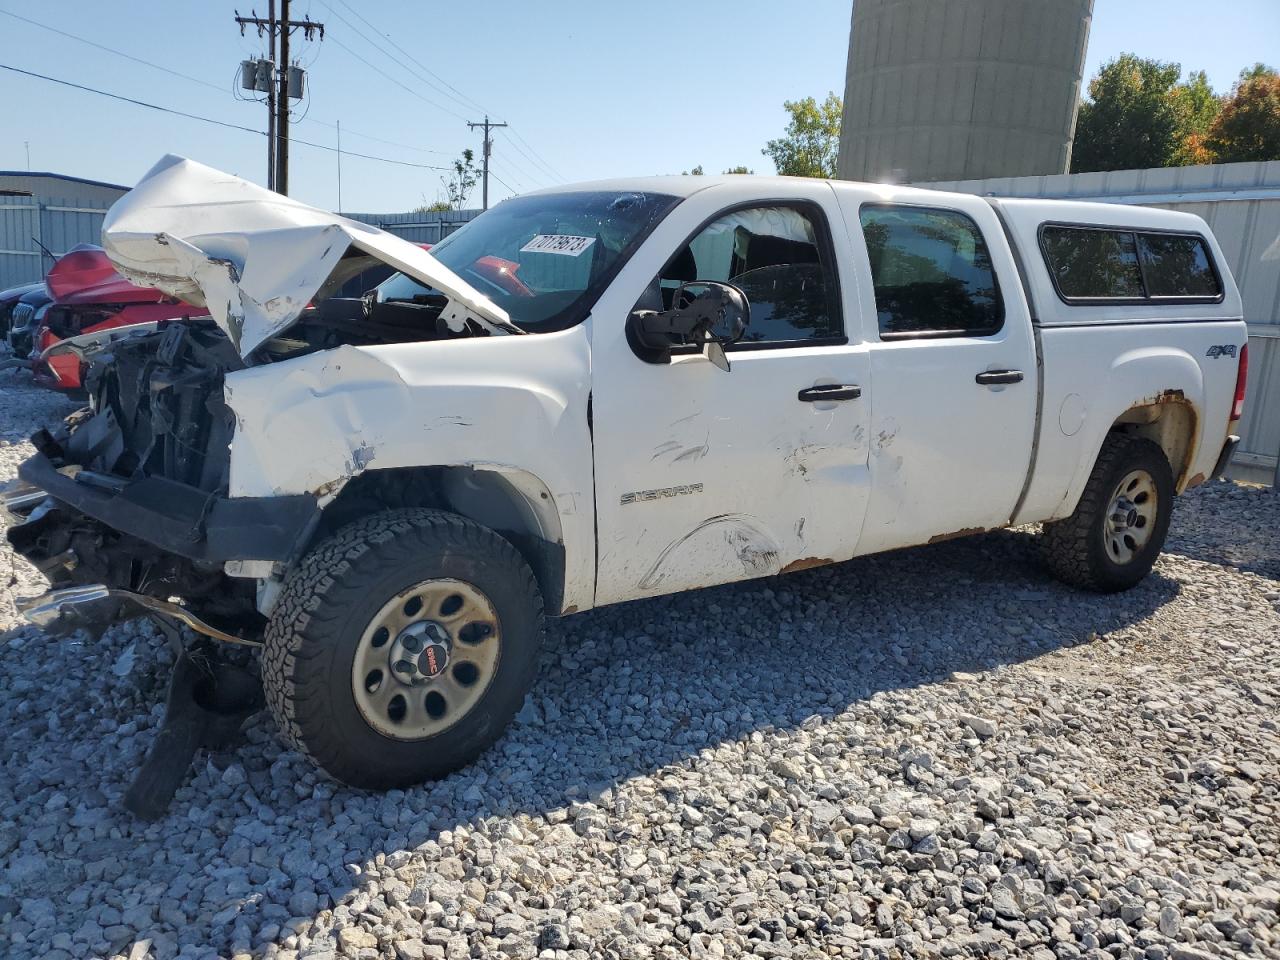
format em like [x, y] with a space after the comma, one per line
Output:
[948, 452]
[703, 476]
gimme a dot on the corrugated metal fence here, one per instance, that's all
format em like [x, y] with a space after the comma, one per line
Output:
[28, 222]
[1241, 204]
[418, 227]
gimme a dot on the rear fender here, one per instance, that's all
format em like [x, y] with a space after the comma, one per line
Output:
[1140, 386]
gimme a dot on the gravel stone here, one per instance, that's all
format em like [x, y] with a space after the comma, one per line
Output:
[934, 753]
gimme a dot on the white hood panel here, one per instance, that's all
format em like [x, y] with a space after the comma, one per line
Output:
[256, 258]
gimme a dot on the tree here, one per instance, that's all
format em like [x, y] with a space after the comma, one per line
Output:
[1131, 119]
[460, 183]
[739, 169]
[812, 140]
[435, 206]
[1248, 126]
[1196, 106]
[695, 172]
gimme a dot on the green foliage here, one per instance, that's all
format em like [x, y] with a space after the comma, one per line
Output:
[1196, 106]
[460, 183]
[1139, 115]
[1248, 127]
[695, 172]
[812, 140]
[435, 206]
[739, 169]
[1131, 119]
[1256, 71]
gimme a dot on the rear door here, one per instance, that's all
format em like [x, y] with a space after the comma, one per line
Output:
[953, 365]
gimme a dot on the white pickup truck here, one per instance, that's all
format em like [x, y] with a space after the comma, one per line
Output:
[602, 393]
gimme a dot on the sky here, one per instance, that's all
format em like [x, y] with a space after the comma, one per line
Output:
[591, 89]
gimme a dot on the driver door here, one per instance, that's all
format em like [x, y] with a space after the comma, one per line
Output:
[705, 476]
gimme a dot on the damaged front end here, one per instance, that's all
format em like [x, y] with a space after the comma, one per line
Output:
[131, 493]
[131, 497]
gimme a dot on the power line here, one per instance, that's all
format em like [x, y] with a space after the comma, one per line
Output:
[220, 123]
[461, 99]
[367, 136]
[519, 186]
[363, 36]
[556, 175]
[533, 171]
[504, 183]
[402, 86]
[519, 143]
[206, 83]
[118, 53]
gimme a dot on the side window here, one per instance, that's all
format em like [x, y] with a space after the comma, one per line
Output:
[1177, 265]
[777, 256]
[932, 273]
[1096, 264]
[1093, 264]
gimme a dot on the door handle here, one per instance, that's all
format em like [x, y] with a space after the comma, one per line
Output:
[990, 378]
[829, 391]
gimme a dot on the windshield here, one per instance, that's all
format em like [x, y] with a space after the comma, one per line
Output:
[544, 259]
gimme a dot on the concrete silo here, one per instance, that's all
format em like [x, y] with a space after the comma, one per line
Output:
[962, 89]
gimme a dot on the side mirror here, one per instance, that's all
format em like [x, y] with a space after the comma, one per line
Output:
[704, 312]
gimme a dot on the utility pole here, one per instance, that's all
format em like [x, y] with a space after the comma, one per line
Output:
[272, 77]
[282, 112]
[488, 148]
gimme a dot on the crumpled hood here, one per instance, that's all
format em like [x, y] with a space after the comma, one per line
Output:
[256, 258]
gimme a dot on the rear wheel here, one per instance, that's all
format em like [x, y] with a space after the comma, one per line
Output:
[1118, 528]
[402, 647]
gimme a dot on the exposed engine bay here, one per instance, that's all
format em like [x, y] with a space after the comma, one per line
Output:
[157, 414]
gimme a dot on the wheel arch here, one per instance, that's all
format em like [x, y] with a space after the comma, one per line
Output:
[513, 503]
[1172, 423]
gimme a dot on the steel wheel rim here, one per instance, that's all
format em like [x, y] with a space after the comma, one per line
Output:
[426, 659]
[1131, 516]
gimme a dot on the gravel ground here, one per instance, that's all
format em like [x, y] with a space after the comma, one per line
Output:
[938, 752]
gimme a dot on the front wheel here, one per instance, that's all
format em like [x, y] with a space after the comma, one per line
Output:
[1118, 528]
[402, 646]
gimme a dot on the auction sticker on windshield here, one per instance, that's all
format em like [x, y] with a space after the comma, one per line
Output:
[554, 243]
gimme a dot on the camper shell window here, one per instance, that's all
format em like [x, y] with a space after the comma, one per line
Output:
[1115, 265]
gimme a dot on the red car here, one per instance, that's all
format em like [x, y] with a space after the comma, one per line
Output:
[89, 296]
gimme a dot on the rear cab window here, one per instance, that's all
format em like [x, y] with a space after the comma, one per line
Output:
[1112, 265]
[932, 273]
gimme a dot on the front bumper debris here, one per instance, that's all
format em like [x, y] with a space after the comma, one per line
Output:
[178, 518]
[18, 498]
[50, 608]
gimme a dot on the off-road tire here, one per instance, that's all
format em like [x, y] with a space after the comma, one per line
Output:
[1074, 548]
[327, 602]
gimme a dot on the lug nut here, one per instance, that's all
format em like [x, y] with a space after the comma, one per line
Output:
[403, 666]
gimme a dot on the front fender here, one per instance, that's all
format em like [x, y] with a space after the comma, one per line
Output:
[511, 404]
